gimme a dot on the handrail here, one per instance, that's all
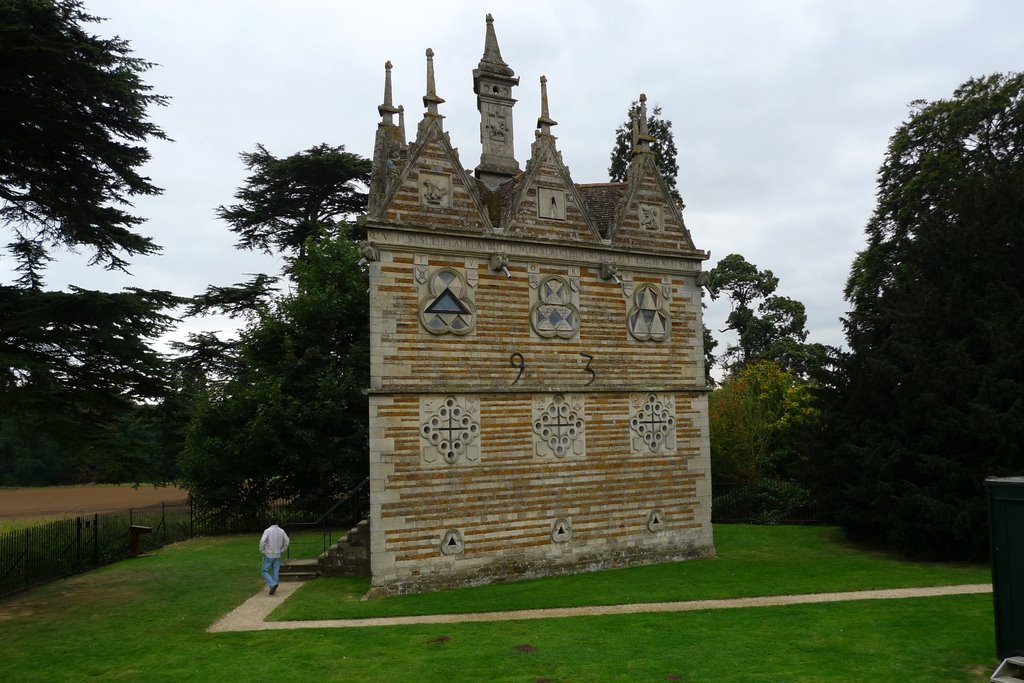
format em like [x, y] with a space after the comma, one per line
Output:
[321, 520]
[356, 489]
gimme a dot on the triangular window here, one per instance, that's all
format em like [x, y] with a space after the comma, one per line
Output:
[447, 303]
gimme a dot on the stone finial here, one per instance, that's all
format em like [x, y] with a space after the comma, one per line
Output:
[643, 116]
[642, 138]
[402, 140]
[387, 109]
[545, 121]
[431, 100]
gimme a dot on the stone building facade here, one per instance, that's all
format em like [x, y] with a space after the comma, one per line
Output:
[537, 400]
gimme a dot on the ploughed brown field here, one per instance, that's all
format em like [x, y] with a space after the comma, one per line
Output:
[71, 501]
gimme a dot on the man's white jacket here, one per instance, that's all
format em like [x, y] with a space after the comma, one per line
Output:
[274, 541]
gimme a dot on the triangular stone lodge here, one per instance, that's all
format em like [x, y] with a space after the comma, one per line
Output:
[537, 398]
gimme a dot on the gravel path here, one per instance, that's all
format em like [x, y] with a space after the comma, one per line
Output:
[251, 615]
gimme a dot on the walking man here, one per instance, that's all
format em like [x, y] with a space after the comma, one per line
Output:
[274, 542]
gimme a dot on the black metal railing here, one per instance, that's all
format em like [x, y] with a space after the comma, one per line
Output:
[59, 548]
[52, 550]
[343, 514]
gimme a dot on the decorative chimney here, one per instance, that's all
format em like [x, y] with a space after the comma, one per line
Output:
[493, 81]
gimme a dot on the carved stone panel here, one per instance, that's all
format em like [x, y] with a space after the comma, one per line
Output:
[554, 315]
[435, 190]
[555, 306]
[652, 423]
[655, 521]
[452, 543]
[495, 134]
[450, 430]
[651, 217]
[551, 203]
[559, 426]
[561, 530]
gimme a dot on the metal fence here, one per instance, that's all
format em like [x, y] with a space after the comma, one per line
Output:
[345, 513]
[52, 550]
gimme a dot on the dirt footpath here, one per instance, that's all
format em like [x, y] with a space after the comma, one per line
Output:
[71, 501]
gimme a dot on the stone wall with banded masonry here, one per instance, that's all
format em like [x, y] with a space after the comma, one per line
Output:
[506, 451]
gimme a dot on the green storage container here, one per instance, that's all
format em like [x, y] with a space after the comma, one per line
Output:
[1006, 517]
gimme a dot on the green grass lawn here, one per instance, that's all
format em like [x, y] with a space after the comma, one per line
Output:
[752, 561]
[145, 620]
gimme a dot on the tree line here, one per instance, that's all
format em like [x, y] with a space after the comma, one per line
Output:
[895, 433]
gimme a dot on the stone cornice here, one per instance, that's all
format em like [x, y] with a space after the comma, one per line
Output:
[518, 249]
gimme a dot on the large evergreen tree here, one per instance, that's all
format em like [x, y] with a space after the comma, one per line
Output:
[932, 393]
[290, 420]
[73, 128]
[285, 203]
[281, 413]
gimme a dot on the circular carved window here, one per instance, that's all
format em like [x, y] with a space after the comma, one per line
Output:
[450, 430]
[648, 321]
[447, 308]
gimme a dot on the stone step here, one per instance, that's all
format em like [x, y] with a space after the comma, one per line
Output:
[299, 569]
[1010, 671]
[350, 556]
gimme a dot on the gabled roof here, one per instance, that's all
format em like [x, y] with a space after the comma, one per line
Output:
[602, 200]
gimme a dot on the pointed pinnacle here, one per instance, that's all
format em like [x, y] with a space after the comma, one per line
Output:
[643, 116]
[641, 134]
[401, 127]
[633, 124]
[431, 100]
[387, 109]
[545, 121]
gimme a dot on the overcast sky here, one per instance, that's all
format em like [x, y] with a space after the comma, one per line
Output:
[781, 109]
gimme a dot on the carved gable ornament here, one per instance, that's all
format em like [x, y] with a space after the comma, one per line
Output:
[435, 190]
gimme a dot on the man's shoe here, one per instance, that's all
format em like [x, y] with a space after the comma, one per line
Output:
[273, 589]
